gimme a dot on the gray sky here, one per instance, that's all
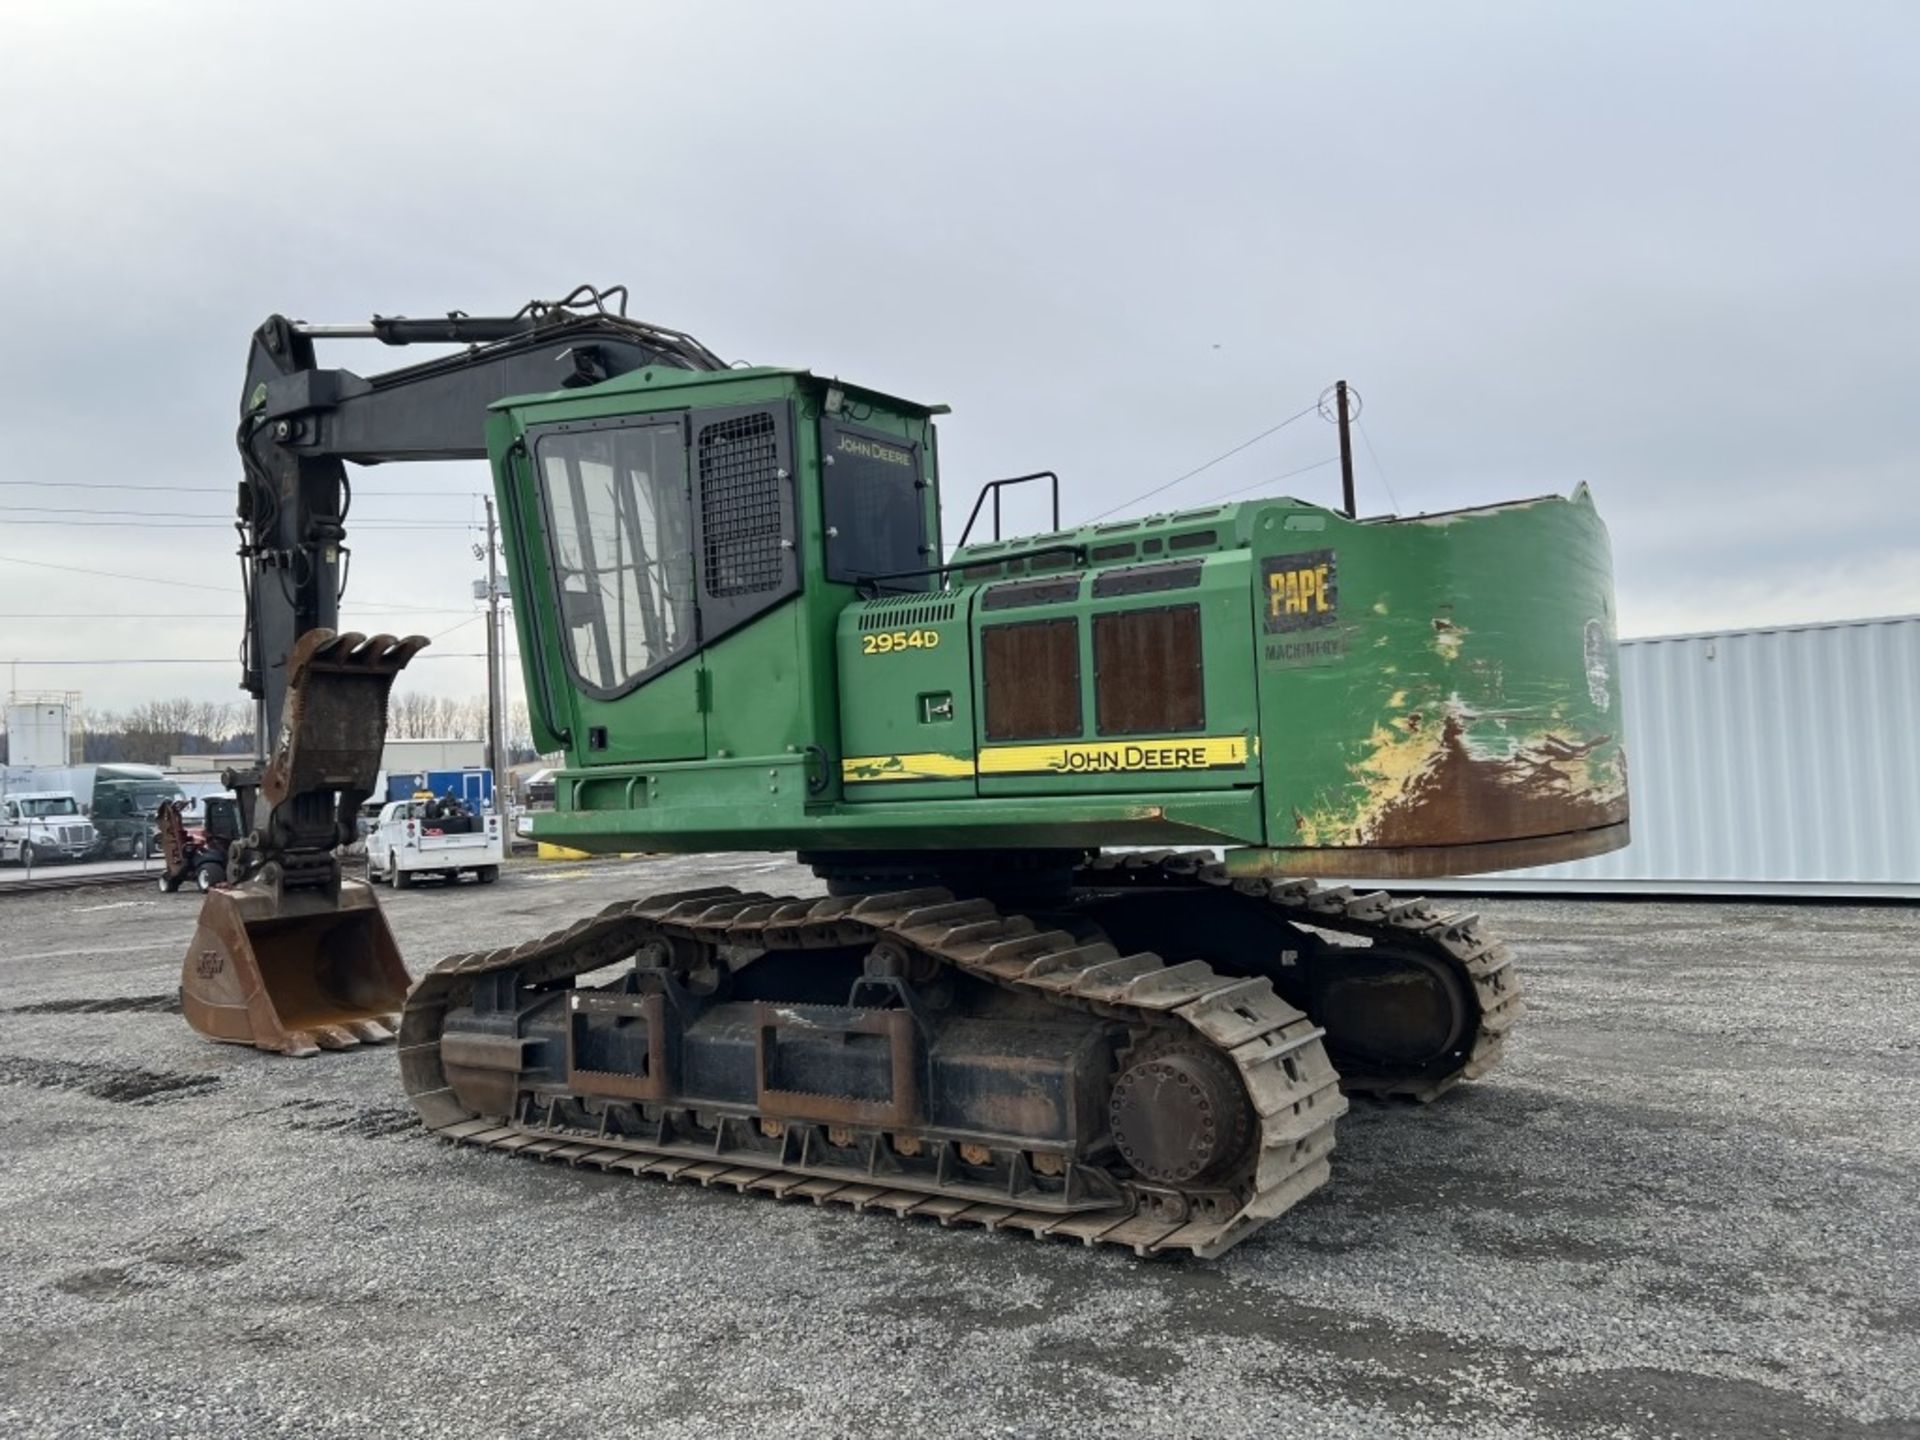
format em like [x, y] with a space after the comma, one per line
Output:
[1667, 250]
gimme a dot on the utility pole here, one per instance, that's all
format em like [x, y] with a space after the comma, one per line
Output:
[1346, 448]
[496, 737]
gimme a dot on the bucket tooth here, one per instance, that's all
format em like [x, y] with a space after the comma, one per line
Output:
[372, 1032]
[335, 1037]
[372, 650]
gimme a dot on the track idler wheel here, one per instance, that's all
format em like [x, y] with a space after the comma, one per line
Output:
[1180, 1115]
[1394, 1012]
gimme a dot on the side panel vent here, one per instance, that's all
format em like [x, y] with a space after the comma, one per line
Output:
[1146, 579]
[1017, 593]
[896, 614]
[1030, 671]
[1147, 672]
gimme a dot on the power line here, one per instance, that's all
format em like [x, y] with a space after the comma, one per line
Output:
[197, 515]
[371, 606]
[229, 489]
[375, 610]
[1378, 468]
[116, 575]
[221, 660]
[1276, 479]
[461, 626]
[362, 526]
[393, 607]
[1224, 455]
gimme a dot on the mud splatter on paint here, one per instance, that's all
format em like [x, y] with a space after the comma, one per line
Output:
[1424, 783]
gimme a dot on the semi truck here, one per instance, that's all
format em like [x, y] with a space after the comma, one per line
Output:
[119, 802]
[37, 826]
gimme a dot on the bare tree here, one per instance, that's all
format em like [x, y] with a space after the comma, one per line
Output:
[413, 715]
[467, 719]
[152, 732]
[410, 716]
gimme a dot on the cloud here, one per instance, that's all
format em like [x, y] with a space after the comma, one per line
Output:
[1662, 252]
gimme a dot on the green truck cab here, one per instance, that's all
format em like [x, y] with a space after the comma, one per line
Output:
[125, 800]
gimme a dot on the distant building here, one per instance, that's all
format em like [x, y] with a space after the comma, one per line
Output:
[399, 757]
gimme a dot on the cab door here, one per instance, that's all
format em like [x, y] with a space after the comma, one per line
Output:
[615, 514]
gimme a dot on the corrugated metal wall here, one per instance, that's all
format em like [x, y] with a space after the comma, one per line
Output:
[1780, 762]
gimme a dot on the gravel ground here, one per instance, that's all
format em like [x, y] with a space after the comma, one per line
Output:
[1686, 1205]
[12, 874]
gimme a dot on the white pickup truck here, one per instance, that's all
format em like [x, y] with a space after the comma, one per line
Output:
[403, 843]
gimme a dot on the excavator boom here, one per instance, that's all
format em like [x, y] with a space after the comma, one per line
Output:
[290, 956]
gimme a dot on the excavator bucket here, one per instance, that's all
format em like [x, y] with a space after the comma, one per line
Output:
[297, 974]
[294, 958]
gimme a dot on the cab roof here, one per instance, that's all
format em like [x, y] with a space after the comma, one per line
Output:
[670, 377]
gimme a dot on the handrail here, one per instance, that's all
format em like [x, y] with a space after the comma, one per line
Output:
[993, 487]
[865, 583]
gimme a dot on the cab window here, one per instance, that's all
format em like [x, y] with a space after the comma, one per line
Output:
[621, 526]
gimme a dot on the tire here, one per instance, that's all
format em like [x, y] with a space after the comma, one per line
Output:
[209, 875]
[487, 874]
[167, 884]
[26, 854]
[402, 879]
[141, 849]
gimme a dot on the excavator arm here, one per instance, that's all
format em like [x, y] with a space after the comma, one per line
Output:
[292, 957]
[301, 425]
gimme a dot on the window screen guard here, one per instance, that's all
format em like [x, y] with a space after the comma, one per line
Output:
[744, 503]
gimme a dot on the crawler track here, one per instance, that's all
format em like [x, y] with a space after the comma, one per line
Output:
[1273, 1049]
[1457, 941]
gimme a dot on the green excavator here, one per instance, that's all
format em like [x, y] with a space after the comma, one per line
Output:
[1093, 810]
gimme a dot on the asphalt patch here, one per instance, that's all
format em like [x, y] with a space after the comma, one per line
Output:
[103, 1082]
[368, 1122]
[168, 1004]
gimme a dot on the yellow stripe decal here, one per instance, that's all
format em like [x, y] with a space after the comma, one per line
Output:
[1181, 752]
[1115, 757]
[906, 767]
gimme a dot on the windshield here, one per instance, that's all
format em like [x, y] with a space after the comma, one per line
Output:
[622, 526]
[35, 809]
[150, 798]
